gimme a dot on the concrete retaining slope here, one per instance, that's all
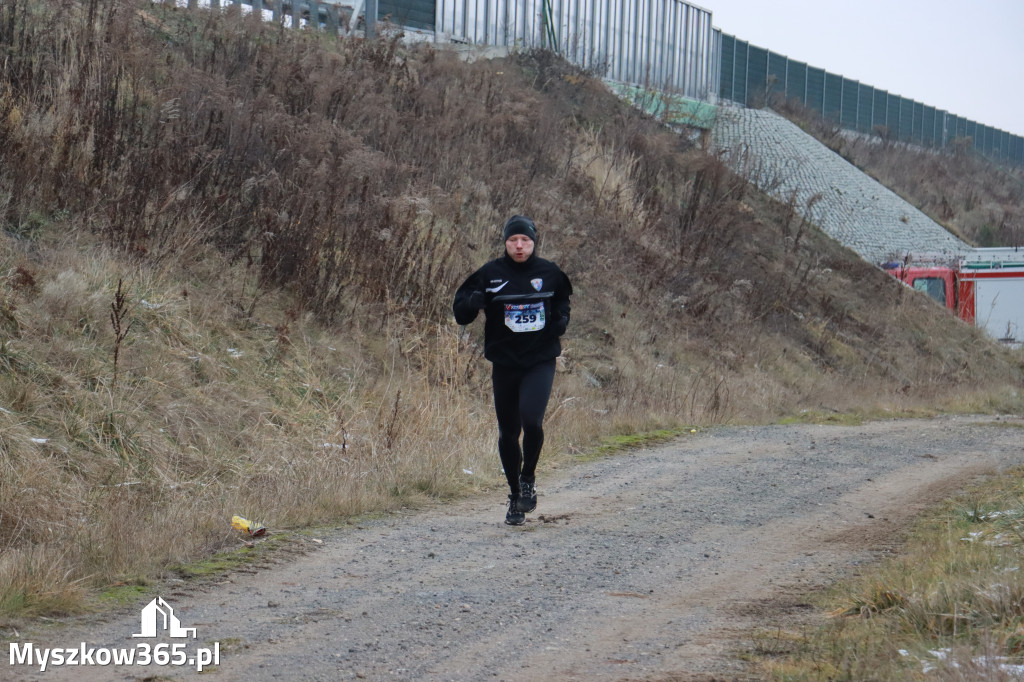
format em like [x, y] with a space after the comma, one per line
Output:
[857, 211]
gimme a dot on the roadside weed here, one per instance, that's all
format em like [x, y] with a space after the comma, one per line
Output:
[951, 604]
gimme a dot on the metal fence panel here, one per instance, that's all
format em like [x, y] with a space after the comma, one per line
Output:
[983, 142]
[865, 108]
[697, 51]
[739, 86]
[930, 138]
[412, 13]
[940, 128]
[906, 119]
[776, 74]
[917, 119]
[943, 123]
[999, 145]
[848, 111]
[833, 96]
[662, 44]
[796, 81]
[727, 60]
[892, 115]
[879, 100]
[757, 73]
[816, 89]
[853, 105]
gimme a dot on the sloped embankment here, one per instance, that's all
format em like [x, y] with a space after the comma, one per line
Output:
[856, 210]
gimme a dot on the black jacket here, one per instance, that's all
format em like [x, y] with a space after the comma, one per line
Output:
[526, 306]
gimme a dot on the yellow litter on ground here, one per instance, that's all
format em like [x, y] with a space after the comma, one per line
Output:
[250, 527]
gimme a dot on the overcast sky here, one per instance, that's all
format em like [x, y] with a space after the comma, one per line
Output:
[964, 57]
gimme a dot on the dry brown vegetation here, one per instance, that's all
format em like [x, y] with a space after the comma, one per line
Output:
[227, 257]
[980, 201]
[974, 198]
[948, 605]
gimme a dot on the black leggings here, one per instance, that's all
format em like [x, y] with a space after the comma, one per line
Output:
[520, 399]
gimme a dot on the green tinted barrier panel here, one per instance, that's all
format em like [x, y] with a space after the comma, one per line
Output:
[672, 109]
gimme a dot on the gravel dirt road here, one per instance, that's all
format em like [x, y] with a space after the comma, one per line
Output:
[656, 564]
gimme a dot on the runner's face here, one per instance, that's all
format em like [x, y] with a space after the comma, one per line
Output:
[519, 247]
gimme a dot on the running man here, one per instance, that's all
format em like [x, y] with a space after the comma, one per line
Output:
[525, 300]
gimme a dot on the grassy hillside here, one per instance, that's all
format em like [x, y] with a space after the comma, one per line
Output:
[979, 201]
[228, 253]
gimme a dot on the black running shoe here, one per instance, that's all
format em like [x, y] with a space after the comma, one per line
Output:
[527, 496]
[513, 516]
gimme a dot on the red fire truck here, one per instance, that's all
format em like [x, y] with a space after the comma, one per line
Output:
[984, 287]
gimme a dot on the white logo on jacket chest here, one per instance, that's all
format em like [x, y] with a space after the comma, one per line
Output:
[537, 283]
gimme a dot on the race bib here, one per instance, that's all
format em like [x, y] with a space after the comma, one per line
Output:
[524, 317]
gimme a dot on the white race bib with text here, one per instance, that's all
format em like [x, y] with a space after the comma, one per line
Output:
[524, 317]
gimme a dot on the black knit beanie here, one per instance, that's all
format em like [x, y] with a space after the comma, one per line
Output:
[519, 224]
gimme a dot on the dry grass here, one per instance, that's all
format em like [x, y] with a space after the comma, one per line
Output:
[976, 199]
[950, 605]
[216, 414]
[972, 197]
[288, 218]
